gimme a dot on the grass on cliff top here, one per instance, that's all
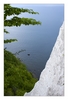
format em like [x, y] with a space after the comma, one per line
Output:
[17, 80]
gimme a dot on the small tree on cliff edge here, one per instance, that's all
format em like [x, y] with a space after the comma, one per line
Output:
[17, 21]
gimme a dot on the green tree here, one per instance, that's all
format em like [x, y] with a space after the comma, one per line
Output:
[17, 79]
[15, 20]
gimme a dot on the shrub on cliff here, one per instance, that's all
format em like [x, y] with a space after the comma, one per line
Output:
[17, 80]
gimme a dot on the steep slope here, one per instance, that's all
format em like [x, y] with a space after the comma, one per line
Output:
[51, 82]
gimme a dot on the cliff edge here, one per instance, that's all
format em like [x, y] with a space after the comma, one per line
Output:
[51, 82]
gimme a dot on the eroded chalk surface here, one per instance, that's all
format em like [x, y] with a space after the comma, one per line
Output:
[51, 81]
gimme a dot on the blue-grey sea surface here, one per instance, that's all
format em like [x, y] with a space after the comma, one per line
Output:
[35, 43]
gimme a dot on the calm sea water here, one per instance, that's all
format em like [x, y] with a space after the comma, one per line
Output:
[36, 41]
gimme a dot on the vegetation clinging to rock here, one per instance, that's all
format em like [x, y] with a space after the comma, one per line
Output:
[17, 80]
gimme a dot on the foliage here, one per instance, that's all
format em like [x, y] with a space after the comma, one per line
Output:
[5, 31]
[17, 80]
[17, 21]
[9, 40]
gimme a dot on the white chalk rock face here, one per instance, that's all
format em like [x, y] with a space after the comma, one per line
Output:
[51, 82]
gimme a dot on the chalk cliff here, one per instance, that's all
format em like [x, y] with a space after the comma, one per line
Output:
[51, 81]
